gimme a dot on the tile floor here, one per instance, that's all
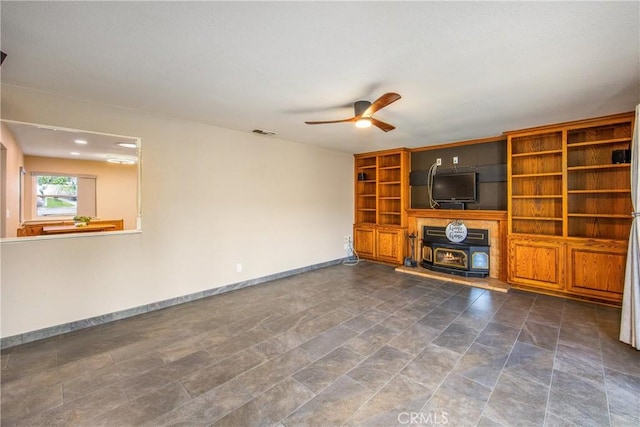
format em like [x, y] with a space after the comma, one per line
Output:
[352, 346]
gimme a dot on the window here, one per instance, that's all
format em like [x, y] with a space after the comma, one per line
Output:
[64, 195]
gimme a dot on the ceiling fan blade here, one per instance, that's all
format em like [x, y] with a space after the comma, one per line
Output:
[352, 119]
[382, 125]
[380, 103]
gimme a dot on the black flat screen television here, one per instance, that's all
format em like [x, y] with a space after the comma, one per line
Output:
[459, 187]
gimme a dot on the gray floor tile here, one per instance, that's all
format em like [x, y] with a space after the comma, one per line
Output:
[584, 365]
[498, 335]
[482, 364]
[24, 405]
[545, 315]
[270, 407]
[456, 337]
[328, 341]
[517, 401]
[366, 320]
[206, 408]
[456, 303]
[321, 373]
[555, 420]
[439, 318]
[619, 356]
[540, 335]
[261, 378]
[363, 304]
[431, 366]
[397, 322]
[219, 373]
[489, 301]
[623, 395]
[531, 362]
[83, 409]
[414, 339]
[475, 318]
[578, 400]
[458, 400]
[354, 346]
[511, 316]
[333, 406]
[375, 371]
[144, 408]
[394, 402]
[371, 340]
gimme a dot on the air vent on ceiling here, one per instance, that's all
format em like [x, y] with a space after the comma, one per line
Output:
[263, 132]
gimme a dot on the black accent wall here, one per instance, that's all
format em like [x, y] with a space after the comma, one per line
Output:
[488, 160]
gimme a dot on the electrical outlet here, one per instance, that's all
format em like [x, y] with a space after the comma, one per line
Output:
[347, 242]
[438, 162]
[238, 267]
[455, 160]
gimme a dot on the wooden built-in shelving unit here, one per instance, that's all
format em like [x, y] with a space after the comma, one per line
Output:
[569, 206]
[381, 188]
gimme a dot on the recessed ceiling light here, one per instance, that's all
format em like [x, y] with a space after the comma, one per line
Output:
[74, 153]
[80, 141]
[127, 145]
[121, 161]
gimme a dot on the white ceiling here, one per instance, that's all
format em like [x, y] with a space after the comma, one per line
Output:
[56, 142]
[465, 70]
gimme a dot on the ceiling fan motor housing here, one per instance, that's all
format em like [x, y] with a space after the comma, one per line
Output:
[360, 107]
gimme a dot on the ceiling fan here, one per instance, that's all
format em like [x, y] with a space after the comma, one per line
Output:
[364, 111]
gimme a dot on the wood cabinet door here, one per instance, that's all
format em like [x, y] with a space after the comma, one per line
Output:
[364, 242]
[536, 263]
[596, 271]
[389, 245]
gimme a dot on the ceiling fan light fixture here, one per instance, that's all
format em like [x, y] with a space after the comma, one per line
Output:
[364, 111]
[363, 123]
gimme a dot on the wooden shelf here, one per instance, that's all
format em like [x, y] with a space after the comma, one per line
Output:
[609, 191]
[534, 196]
[595, 167]
[537, 153]
[599, 215]
[603, 142]
[536, 218]
[534, 175]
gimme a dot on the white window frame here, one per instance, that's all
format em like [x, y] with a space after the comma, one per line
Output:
[91, 204]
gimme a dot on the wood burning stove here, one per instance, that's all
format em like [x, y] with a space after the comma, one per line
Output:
[469, 257]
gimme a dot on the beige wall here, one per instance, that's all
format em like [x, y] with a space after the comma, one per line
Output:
[115, 185]
[14, 160]
[211, 198]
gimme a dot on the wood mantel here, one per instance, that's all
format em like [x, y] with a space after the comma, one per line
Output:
[495, 221]
[459, 214]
